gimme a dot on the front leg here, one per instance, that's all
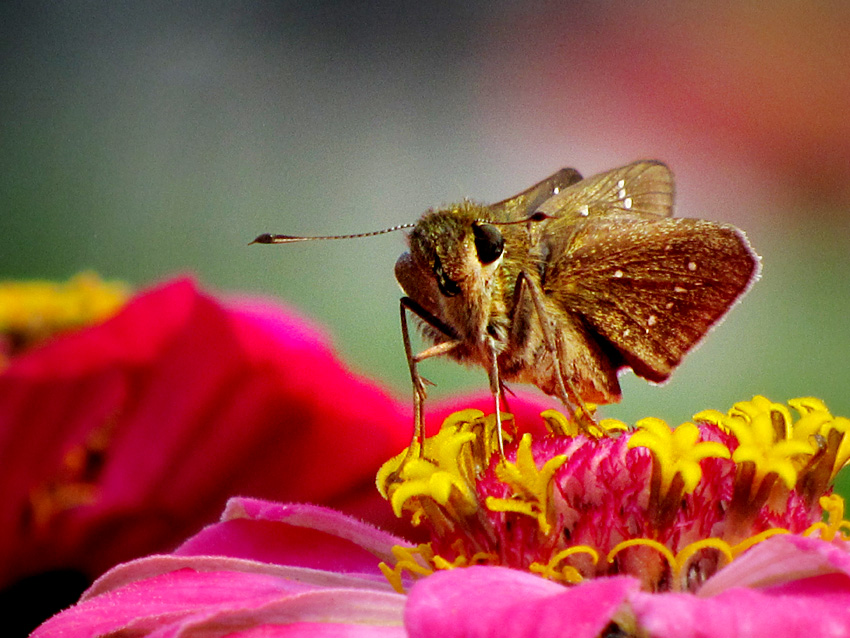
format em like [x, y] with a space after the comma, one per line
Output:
[409, 305]
[419, 392]
[496, 390]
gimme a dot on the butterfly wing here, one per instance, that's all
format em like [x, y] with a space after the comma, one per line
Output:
[525, 203]
[650, 287]
[641, 189]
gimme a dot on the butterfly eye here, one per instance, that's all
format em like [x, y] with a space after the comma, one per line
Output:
[448, 287]
[489, 242]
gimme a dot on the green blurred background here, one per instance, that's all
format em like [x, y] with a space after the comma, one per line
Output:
[147, 139]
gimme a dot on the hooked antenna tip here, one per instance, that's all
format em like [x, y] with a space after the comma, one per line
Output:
[265, 238]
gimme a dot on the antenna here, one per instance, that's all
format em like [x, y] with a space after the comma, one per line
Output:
[267, 238]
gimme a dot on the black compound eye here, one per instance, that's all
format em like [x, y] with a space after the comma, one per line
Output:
[489, 242]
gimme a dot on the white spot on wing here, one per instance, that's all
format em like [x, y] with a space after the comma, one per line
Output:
[679, 289]
[556, 190]
[618, 273]
[692, 266]
[627, 203]
[651, 320]
[621, 183]
[583, 210]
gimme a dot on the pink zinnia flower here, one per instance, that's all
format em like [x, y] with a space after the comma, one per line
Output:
[711, 529]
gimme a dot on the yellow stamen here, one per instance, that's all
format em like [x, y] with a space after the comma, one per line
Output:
[676, 451]
[842, 457]
[648, 542]
[684, 555]
[478, 558]
[676, 470]
[560, 425]
[417, 561]
[531, 487]
[759, 405]
[759, 443]
[771, 453]
[567, 573]
[446, 473]
[714, 417]
[424, 478]
[745, 544]
[681, 559]
[835, 524]
[641, 565]
[813, 416]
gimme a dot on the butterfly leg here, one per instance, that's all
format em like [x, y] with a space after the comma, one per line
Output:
[585, 417]
[419, 392]
[496, 391]
[506, 391]
[566, 391]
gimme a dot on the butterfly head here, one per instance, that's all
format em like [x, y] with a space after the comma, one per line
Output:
[452, 264]
[458, 248]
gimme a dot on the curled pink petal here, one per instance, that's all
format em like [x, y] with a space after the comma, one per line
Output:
[217, 603]
[785, 586]
[151, 566]
[780, 559]
[294, 534]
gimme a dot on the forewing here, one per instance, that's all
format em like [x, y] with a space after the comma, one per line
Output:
[651, 288]
[641, 189]
[525, 203]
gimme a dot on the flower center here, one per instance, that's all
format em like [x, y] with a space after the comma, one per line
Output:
[32, 311]
[668, 506]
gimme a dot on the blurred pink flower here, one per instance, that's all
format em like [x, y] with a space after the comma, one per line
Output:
[297, 570]
[123, 438]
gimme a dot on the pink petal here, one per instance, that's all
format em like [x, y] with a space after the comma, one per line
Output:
[317, 630]
[785, 586]
[293, 534]
[496, 601]
[219, 602]
[780, 559]
[812, 607]
[151, 566]
[165, 599]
